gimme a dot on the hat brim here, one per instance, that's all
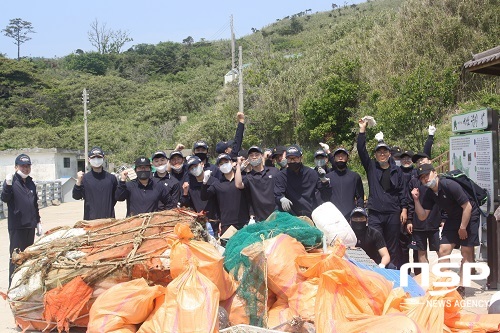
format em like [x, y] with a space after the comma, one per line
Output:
[416, 157]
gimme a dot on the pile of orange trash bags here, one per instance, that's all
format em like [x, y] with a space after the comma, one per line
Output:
[323, 291]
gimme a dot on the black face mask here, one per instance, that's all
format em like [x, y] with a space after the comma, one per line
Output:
[359, 229]
[143, 174]
[408, 168]
[294, 166]
[341, 165]
[202, 156]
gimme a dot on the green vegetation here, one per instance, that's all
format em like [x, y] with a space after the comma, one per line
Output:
[311, 77]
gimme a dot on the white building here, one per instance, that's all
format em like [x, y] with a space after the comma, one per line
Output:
[47, 164]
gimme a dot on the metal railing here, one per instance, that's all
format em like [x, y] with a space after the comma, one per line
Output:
[48, 192]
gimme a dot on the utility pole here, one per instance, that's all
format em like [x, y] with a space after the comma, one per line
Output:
[85, 99]
[233, 42]
[240, 78]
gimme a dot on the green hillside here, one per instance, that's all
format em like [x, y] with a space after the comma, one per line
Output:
[310, 77]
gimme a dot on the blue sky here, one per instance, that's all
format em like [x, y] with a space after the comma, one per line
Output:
[61, 26]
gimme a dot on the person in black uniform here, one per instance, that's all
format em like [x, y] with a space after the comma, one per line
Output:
[259, 184]
[321, 160]
[386, 201]
[232, 147]
[278, 156]
[233, 206]
[191, 194]
[295, 187]
[369, 239]
[19, 192]
[425, 233]
[178, 169]
[462, 224]
[142, 194]
[345, 189]
[200, 149]
[160, 162]
[97, 188]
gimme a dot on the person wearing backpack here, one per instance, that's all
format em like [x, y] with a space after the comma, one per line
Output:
[462, 225]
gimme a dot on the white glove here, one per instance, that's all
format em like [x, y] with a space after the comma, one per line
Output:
[8, 179]
[381, 265]
[432, 130]
[325, 147]
[251, 221]
[206, 176]
[370, 121]
[286, 204]
[39, 230]
[379, 136]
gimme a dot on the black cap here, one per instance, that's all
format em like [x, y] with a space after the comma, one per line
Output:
[320, 152]
[23, 159]
[221, 147]
[293, 151]
[255, 148]
[200, 144]
[159, 154]
[243, 153]
[359, 210]
[418, 156]
[424, 169]
[96, 151]
[223, 156]
[279, 150]
[340, 150]
[176, 152]
[396, 151]
[142, 161]
[193, 160]
[408, 153]
[382, 144]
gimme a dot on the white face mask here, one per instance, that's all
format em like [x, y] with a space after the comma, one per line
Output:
[226, 168]
[96, 162]
[177, 168]
[431, 183]
[161, 168]
[22, 174]
[196, 171]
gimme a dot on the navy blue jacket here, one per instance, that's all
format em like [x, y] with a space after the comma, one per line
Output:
[181, 176]
[345, 191]
[22, 201]
[140, 198]
[379, 200]
[299, 187]
[238, 139]
[173, 188]
[260, 189]
[98, 192]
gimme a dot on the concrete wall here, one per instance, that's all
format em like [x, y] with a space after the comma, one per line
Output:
[47, 164]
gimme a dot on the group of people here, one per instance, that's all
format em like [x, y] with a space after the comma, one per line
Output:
[405, 207]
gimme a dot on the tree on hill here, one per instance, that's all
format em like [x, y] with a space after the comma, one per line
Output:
[106, 40]
[18, 30]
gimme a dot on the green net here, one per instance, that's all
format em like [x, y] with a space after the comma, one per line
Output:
[252, 274]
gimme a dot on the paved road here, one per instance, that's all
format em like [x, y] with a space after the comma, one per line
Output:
[68, 214]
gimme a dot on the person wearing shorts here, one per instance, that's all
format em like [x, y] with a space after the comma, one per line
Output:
[462, 225]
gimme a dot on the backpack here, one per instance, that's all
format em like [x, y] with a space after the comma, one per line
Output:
[474, 191]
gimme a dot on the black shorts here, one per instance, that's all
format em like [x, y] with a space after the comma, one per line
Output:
[422, 238]
[451, 236]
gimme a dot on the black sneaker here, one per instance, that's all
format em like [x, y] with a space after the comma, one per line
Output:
[461, 291]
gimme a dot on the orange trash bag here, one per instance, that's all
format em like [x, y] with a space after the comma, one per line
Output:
[279, 313]
[210, 262]
[236, 309]
[123, 305]
[302, 298]
[390, 323]
[190, 305]
[346, 292]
